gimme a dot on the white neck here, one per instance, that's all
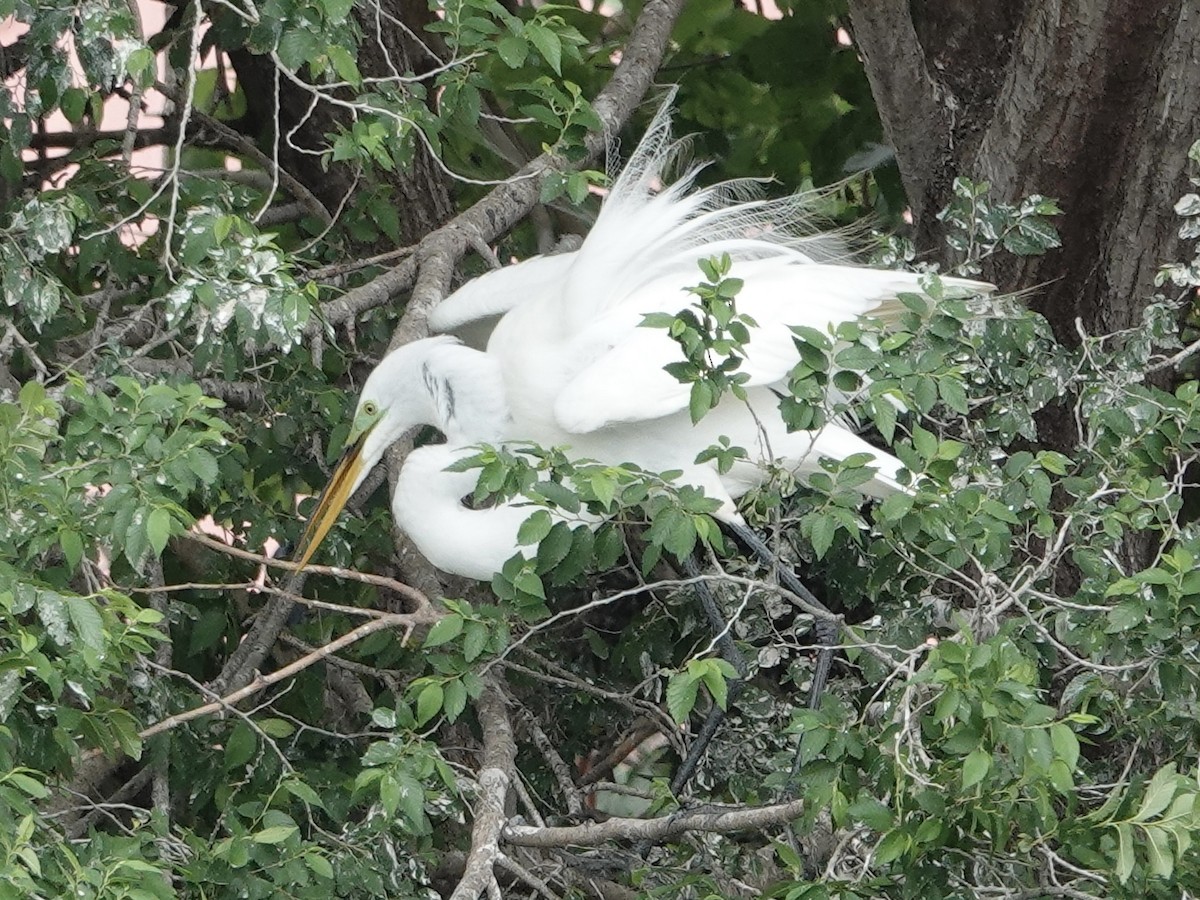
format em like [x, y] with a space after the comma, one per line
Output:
[427, 505]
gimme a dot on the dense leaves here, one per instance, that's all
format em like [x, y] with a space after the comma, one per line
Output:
[1015, 703]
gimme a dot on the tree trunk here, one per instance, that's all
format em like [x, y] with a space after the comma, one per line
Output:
[1092, 102]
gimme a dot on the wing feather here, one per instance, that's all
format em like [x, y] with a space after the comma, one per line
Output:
[499, 291]
[777, 294]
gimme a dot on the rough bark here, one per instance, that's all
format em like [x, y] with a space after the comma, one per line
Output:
[1093, 103]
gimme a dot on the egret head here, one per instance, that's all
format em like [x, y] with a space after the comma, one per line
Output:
[435, 381]
[381, 417]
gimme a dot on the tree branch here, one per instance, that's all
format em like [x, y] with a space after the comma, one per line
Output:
[271, 618]
[904, 90]
[424, 615]
[592, 834]
[499, 759]
[237, 394]
[237, 142]
[427, 272]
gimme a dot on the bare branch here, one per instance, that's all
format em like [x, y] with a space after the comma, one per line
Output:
[425, 615]
[499, 758]
[592, 834]
[405, 590]
[554, 761]
[239, 143]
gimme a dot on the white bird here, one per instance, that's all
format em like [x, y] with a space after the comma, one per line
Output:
[568, 364]
[460, 391]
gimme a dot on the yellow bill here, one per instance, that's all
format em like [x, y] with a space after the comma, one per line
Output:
[333, 499]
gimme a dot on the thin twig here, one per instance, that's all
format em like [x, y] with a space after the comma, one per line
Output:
[424, 615]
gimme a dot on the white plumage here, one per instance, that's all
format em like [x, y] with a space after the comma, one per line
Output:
[567, 363]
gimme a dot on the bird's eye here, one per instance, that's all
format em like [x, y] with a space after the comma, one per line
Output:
[370, 408]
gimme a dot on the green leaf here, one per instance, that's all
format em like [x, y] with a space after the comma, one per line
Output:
[296, 47]
[475, 641]
[548, 44]
[344, 65]
[158, 529]
[1038, 750]
[455, 700]
[554, 547]
[535, 528]
[681, 537]
[1061, 778]
[277, 728]
[319, 865]
[558, 494]
[512, 51]
[429, 702]
[954, 395]
[444, 630]
[895, 507]
[337, 10]
[1159, 793]
[73, 103]
[871, 813]
[276, 834]
[925, 442]
[1126, 615]
[384, 717]
[303, 792]
[1159, 858]
[72, 547]
[975, 767]
[657, 320]
[950, 449]
[241, 745]
[1125, 857]
[823, 530]
[892, 847]
[885, 418]
[924, 394]
[915, 302]
[389, 793]
[810, 336]
[788, 857]
[700, 400]
[239, 852]
[87, 622]
[1052, 462]
[1066, 744]
[528, 582]
[27, 785]
[596, 643]
[857, 358]
[604, 486]
[682, 689]
[714, 680]
[412, 800]
[578, 187]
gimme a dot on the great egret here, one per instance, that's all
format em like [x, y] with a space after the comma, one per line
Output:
[568, 365]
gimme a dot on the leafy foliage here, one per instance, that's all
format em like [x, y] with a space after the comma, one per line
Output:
[1017, 705]
[712, 335]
